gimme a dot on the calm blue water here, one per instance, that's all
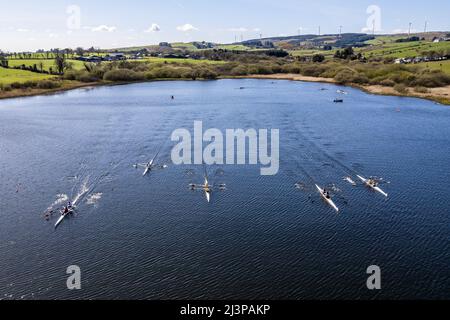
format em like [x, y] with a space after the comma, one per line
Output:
[262, 238]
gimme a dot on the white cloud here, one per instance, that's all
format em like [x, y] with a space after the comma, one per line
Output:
[153, 28]
[22, 30]
[104, 28]
[187, 27]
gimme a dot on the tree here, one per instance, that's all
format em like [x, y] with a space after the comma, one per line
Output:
[347, 53]
[79, 51]
[61, 63]
[3, 61]
[318, 58]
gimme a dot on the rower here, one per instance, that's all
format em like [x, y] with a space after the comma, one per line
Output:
[66, 210]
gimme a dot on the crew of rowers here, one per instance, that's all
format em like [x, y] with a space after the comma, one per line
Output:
[65, 210]
[373, 183]
[326, 194]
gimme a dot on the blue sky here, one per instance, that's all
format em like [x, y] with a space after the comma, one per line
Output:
[31, 25]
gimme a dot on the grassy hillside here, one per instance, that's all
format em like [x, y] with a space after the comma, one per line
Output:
[8, 76]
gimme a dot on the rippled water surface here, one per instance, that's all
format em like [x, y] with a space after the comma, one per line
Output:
[151, 237]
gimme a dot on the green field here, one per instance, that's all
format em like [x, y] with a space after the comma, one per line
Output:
[8, 76]
[183, 61]
[403, 50]
[47, 64]
[235, 47]
[184, 46]
[381, 40]
[437, 65]
[311, 52]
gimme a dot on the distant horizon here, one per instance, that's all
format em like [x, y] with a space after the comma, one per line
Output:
[44, 25]
[227, 43]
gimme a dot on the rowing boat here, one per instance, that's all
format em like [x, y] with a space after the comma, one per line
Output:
[147, 170]
[61, 219]
[207, 190]
[376, 188]
[329, 201]
[149, 166]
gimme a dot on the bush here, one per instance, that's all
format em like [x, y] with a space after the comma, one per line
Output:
[71, 75]
[386, 83]
[16, 85]
[314, 70]
[240, 70]
[208, 74]
[123, 75]
[83, 76]
[30, 84]
[432, 80]
[318, 58]
[171, 72]
[291, 68]
[47, 84]
[345, 75]
[419, 89]
[87, 77]
[401, 88]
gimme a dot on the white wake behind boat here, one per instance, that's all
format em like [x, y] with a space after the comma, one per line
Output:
[350, 180]
[328, 200]
[375, 188]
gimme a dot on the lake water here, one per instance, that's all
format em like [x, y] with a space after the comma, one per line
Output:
[151, 237]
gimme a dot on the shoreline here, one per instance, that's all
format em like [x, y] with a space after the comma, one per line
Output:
[440, 95]
[23, 93]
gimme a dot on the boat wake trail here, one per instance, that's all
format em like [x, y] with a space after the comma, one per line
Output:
[94, 199]
[82, 192]
[60, 199]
